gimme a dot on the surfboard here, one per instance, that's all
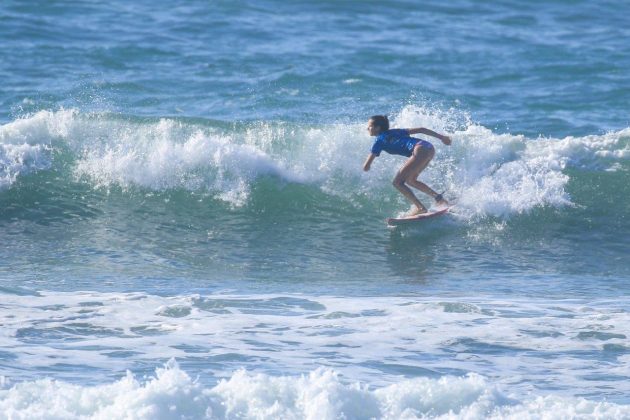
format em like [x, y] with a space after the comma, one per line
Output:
[396, 221]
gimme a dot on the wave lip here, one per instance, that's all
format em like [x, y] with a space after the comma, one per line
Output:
[171, 393]
[202, 161]
[24, 149]
[26, 144]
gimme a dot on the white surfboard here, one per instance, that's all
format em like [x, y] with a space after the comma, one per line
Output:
[396, 221]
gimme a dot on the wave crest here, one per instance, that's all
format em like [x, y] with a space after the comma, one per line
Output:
[319, 395]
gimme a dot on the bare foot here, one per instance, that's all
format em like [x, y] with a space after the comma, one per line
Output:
[416, 212]
[440, 201]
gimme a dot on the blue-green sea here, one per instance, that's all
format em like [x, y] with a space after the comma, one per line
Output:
[186, 230]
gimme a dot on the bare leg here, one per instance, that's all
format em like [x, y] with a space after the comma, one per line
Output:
[409, 173]
[424, 157]
[406, 191]
[409, 170]
[419, 185]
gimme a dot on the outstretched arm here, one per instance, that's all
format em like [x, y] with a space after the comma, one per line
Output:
[445, 139]
[368, 162]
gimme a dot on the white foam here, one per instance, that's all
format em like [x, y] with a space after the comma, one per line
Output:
[25, 144]
[503, 174]
[21, 159]
[373, 340]
[320, 395]
[165, 156]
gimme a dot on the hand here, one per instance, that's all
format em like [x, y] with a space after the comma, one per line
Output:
[366, 168]
[446, 140]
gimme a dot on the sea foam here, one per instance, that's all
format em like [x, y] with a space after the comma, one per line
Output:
[320, 395]
[373, 340]
[21, 159]
[25, 145]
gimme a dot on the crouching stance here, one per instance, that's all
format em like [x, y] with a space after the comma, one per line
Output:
[420, 152]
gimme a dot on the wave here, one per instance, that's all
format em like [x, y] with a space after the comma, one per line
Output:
[319, 395]
[486, 172]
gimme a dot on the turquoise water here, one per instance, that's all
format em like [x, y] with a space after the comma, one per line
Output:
[181, 198]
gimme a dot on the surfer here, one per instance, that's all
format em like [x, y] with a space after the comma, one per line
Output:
[420, 152]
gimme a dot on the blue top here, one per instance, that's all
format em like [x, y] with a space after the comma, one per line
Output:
[396, 141]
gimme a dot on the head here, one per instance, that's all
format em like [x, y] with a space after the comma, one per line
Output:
[377, 124]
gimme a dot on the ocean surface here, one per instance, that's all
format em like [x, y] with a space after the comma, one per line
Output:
[186, 230]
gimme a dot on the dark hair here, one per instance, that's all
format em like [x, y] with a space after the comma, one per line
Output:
[380, 121]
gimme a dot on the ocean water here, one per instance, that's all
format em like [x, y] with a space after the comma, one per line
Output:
[186, 230]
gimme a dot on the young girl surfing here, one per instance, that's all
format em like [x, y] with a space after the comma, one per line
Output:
[419, 152]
